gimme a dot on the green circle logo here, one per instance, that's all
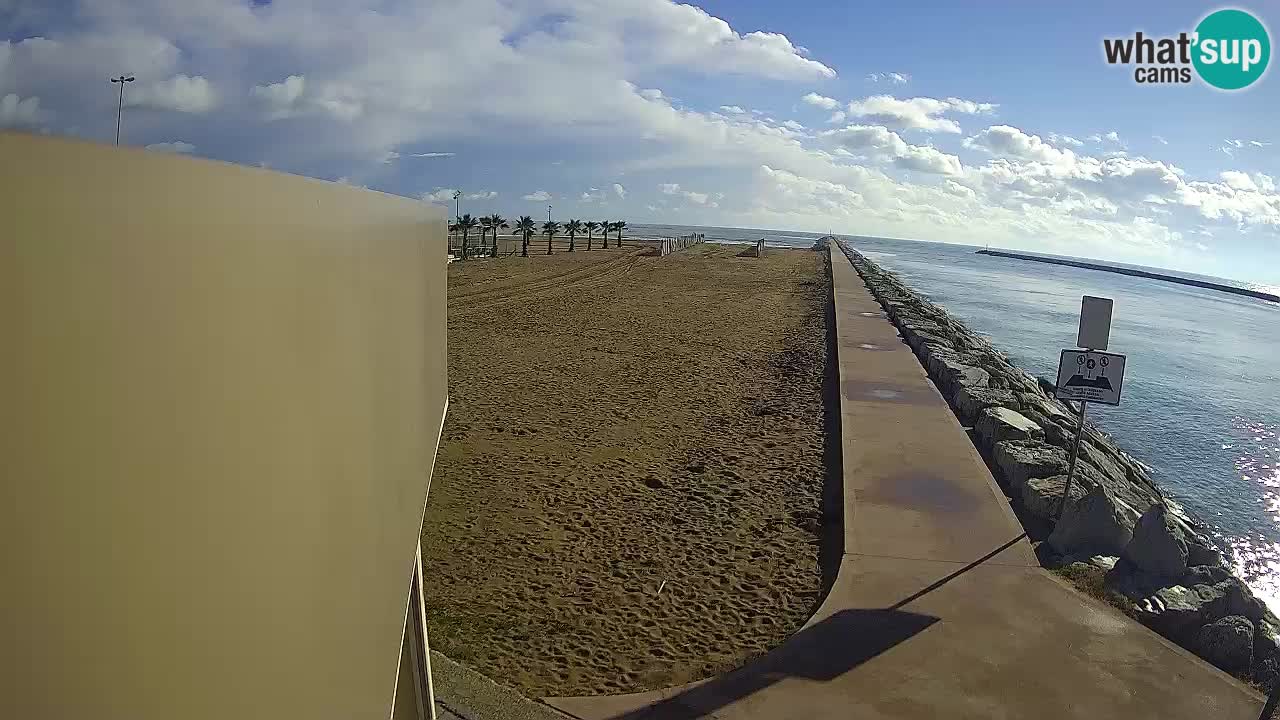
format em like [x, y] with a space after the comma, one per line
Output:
[1231, 49]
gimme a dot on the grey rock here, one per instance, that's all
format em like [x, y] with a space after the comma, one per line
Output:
[1204, 575]
[1105, 563]
[1177, 611]
[916, 340]
[954, 374]
[1020, 460]
[1158, 547]
[996, 424]
[1227, 643]
[1040, 496]
[1100, 459]
[1242, 601]
[1201, 551]
[1266, 640]
[1094, 525]
[970, 401]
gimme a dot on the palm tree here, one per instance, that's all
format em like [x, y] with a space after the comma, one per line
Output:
[591, 227]
[550, 228]
[484, 232]
[525, 227]
[572, 228]
[618, 228]
[496, 223]
[466, 224]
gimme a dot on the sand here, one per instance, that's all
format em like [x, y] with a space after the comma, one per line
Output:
[623, 424]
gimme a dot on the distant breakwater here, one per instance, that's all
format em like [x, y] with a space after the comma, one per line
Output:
[1136, 273]
[1119, 537]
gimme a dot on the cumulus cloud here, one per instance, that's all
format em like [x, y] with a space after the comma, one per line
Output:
[1012, 142]
[920, 113]
[180, 93]
[280, 99]
[697, 198]
[821, 101]
[620, 191]
[19, 112]
[879, 142]
[793, 125]
[482, 195]
[837, 117]
[538, 196]
[176, 146]
[732, 109]
[440, 195]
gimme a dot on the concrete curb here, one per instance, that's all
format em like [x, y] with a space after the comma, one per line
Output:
[465, 694]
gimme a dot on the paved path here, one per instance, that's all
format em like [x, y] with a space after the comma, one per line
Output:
[939, 609]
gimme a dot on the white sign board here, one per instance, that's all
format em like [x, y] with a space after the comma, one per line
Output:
[1090, 376]
[1095, 323]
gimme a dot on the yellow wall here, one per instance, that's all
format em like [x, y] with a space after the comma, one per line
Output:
[221, 390]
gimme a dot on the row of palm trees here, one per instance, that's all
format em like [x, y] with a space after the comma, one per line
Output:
[526, 228]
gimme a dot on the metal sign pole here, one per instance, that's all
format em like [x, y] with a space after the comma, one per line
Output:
[1071, 469]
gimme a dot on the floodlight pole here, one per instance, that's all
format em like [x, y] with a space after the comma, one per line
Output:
[120, 103]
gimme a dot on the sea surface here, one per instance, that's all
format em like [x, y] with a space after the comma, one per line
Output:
[1201, 401]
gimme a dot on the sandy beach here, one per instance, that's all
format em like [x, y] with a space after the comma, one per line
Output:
[628, 492]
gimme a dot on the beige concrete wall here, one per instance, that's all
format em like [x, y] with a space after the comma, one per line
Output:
[221, 390]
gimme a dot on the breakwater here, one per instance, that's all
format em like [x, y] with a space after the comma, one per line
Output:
[1135, 273]
[1119, 536]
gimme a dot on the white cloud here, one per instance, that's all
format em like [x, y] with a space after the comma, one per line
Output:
[1057, 139]
[440, 195]
[177, 146]
[1009, 141]
[433, 155]
[482, 195]
[652, 94]
[732, 109]
[1111, 137]
[620, 191]
[919, 113]
[1238, 180]
[879, 142]
[1230, 147]
[1160, 139]
[821, 101]
[19, 112]
[538, 196]
[836, 117]
[793, 125]
[697, 198]
[281, 99]
[389, 157]
[181, 93]
[891, 77]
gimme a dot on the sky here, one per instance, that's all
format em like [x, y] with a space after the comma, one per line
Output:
[983, 123]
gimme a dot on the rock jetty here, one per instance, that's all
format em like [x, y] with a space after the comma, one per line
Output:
[1153, 560]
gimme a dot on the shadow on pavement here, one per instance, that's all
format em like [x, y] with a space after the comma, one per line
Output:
[821, 652]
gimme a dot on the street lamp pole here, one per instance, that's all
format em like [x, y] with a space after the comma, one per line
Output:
[548, 213]
[457, 208]
[120, 105]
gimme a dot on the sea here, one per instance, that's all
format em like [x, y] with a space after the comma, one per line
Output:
[1201, 400]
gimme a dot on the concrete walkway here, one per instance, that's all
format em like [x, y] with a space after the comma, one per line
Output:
[939, 609]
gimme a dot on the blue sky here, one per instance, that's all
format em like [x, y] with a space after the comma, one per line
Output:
[963, 122]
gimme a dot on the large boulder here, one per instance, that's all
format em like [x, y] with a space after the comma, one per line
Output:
[1266, 640]
[1040, 496]
[997, 424]
[1020, 460]
[1159, 547]
[1177, 611]
[970, 401]
[917, 339]
[954, 374]
[1094, 525]
[1227, 643]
